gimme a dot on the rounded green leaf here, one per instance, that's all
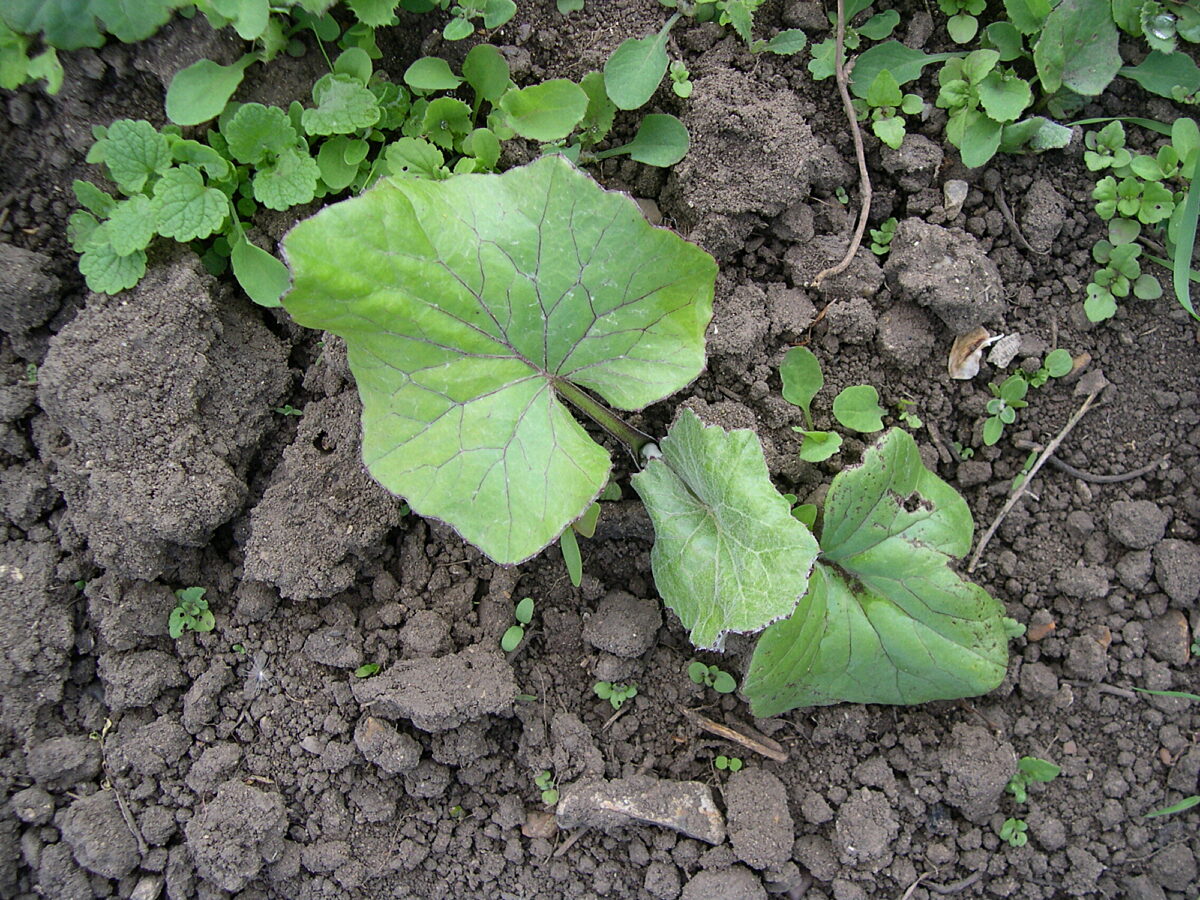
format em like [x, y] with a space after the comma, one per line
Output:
[431, 73]
[728, 555]
[885, 619]
[545, 112]
[857, 408]
[465, 302]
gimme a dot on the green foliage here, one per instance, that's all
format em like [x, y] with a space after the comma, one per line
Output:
[1014, 832]
[1010, 395]
[191, 613]
[616, 694]
[543, 322]
[512, 638]
[544, 781]
[712, 676]
[885, 619]
[881, 237]
[728, 763]
[1030, 769]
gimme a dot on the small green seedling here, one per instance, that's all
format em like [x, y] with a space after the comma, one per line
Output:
[545, 783]
[881, 237]
[616, 694]
[516, 633]
[713, 676]
[191, 612]
[728, 763]
[1015, 832]
[681, 79]
[366, 670]
[1029, 770]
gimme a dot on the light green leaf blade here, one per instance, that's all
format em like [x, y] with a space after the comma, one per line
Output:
[131, 225]
[343, 106]
[184, 208]
[257, 132]
[134, 151]
[545, 112]
[464, 302]
[290, 181]
[728, 555]
[885, 620]
[199, 92]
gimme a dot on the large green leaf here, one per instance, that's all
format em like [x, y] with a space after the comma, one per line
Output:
[728, 555]
[465, 303]
[885, 620]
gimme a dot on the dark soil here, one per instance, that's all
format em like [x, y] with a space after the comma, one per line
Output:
[250, 760]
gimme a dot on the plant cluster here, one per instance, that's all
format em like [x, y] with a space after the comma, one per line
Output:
[616, 693]
[512, 638]
[1010, 395]
[191, 613]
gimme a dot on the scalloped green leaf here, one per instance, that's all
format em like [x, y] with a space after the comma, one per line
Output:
[886, 620]
[728, 555]
[343, 106]
[469, 306]
[184, 208]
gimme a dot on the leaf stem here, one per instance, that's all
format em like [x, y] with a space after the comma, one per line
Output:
[631, 437]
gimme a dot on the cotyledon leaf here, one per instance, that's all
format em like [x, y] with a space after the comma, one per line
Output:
[885, 619]
[466, 302]
[728, 554]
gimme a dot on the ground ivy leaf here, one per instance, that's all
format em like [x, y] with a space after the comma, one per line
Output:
[728, 555]
[465, 302]
[343, 106]
[292, 180]
[131, 225]
[257, 132]
[134, 151]
[184, 208]
[885, 620]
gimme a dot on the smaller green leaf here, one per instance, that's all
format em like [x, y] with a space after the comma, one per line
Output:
[857, 408]
[486, 70]
[571, 556]
[199, 92]
[431, 73]
[818, 446]
[512, 638]
[184, 208]
[802, 378]
[545, 112]
[788, 42]
[263, 277]
[343, 106]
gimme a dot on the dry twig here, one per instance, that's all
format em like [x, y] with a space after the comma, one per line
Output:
[1020, 491]
[843, 81]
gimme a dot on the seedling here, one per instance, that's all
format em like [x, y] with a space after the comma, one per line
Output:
[616, 694]
[516, 633]
[728, 763]
[712, 676]
[1015, 832]
[458, 365]
[1030, 769]
[881, 237]
[545, 783]
[191, 613]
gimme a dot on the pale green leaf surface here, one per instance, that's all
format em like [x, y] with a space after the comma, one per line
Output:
[885, 620]
[291, 180]
[134, 151]
[728, 555]
[343, 106]
[184, 208]
[464, 302]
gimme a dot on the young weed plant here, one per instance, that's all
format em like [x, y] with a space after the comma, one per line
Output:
[470, 346]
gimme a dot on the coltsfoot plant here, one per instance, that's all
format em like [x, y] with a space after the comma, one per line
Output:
[476, 309]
